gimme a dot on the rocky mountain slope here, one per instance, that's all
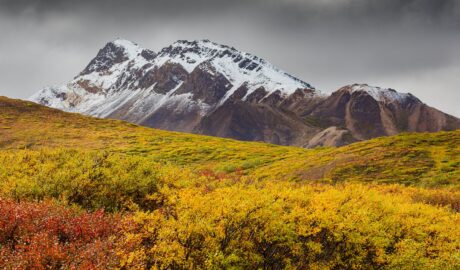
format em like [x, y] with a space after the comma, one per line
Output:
[206, 88]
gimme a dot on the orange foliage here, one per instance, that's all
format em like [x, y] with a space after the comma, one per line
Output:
[45, 235]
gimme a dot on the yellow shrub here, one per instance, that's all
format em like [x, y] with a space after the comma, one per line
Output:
[286, 226]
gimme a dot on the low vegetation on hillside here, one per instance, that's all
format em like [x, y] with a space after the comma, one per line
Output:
[84, 193]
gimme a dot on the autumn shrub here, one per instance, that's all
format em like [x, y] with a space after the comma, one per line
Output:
[449, 198]
[46, 235]
[90, 179]
[281, 225]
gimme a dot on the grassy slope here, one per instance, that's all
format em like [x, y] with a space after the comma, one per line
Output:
[427, 159]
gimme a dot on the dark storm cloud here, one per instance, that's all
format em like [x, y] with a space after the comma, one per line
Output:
[411, 45]
[372, 8]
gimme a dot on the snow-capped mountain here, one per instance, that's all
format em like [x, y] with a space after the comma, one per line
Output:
[206, 88]
[125, 74]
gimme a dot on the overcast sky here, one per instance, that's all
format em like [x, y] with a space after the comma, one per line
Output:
[409, 45]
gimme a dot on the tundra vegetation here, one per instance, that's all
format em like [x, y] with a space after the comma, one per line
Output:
[85, 193]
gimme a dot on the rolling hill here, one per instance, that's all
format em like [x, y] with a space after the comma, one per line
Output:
[418, 159]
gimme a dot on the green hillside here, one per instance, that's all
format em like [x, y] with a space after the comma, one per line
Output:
[426, 159]
[182, 201]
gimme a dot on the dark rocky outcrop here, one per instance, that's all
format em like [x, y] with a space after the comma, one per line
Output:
[356, 109]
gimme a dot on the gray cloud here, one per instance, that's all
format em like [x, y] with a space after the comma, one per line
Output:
[409, 45]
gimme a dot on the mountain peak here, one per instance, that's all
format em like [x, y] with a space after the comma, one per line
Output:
[130, 48]
[206, 49]
[237, 66]
[116, 52]
[388, 95]
[199, 43]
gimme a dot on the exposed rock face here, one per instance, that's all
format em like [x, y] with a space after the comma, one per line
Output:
[206, 88]
[256, 121]
[331, 136]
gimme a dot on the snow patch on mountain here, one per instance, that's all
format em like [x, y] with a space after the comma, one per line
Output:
[51, 97]
[238, 67]
[132, 50]
[381, 94]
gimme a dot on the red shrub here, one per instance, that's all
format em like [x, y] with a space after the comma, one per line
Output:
[45, 235]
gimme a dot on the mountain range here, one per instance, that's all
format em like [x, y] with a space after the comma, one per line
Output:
[206, 88]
